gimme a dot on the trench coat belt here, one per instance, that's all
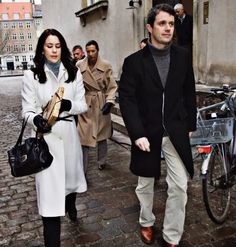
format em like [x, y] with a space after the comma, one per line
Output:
[100, 97]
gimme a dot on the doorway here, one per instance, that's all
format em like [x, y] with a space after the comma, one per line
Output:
[188, 4]
[10, 66]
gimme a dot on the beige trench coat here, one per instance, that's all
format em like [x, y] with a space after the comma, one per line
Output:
[100, 88]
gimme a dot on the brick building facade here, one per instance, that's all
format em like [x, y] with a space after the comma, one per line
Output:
[19, 22]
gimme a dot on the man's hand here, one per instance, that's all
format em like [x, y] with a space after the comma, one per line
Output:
[143, 144]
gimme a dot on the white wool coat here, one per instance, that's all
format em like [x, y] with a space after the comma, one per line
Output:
[65, 175]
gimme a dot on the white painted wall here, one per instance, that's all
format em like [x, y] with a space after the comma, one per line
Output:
[216, 46]
[117, 36]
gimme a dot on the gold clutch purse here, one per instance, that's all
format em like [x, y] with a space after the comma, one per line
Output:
[51, 111]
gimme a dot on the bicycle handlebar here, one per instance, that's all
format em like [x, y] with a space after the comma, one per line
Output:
[224, 89]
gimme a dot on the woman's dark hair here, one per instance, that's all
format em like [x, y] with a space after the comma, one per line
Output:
[39, 58]
[145, 41]
[93, 42]
[156, 10]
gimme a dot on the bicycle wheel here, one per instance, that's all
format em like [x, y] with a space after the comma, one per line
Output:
[215, 186]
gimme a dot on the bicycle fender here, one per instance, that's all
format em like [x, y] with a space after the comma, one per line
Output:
[204, 167]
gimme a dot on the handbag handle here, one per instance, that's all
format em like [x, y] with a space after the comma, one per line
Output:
[24, 123]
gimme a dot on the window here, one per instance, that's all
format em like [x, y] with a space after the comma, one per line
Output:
[24, 58]
[21, 36]
[86, 3]
[22, 47]
[5, 25]
[14, 36]
[98, 6]
[90, 2]
[21, 25]
[28, 25]
[29, 35]
[37, 22]
[17, 58]
[5, 16]
[13, 25]
[31, 57]
[15, 48]
[6, 36]
[8, 48]
[30, 47]
[27, 16]
[16, 16]
[206, 12]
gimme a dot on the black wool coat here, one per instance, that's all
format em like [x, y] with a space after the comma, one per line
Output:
[184, 30]
[148, 109]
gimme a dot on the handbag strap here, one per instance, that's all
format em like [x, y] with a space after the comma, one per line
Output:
[24, 123]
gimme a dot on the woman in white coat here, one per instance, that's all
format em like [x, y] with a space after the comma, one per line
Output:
[57, 185]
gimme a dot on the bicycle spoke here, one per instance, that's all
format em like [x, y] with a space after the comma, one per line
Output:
[216, 191]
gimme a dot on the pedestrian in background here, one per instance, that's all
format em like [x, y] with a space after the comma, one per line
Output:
[158, 105]
[183, 27]
[100, 88]
[78, 53]
[57, 185]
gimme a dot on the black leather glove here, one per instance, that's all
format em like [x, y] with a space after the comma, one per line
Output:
[106, 108]
[65, 105]
[41, 124]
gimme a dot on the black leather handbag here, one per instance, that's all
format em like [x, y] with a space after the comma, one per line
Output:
[29, 157]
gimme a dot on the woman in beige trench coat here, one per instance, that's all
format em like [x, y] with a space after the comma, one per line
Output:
[100, 88]
[65, 177]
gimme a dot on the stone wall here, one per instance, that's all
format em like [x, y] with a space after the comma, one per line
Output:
[215, 56]
[118, 35]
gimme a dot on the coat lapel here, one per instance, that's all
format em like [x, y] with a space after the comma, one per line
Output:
[62, 73]
[62, 76]
[88, 77]
[173, 70]
[150, 67]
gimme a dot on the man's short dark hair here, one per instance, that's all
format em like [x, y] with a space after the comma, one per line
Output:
[156, 10]
[77, 47]
[93, 42]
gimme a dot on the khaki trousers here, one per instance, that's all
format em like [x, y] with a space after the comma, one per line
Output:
[177, 179]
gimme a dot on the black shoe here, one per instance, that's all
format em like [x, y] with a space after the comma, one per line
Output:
[70, 207]
[72, 215]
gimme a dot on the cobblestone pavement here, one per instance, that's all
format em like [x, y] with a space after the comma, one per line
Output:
[107, 212]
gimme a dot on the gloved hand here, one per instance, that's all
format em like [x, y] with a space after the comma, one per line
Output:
[106, 108]
[65, 105]
[41, 124]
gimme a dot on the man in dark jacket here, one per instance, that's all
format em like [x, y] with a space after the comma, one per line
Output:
[183, 27]
[158, 105]
[78, 53]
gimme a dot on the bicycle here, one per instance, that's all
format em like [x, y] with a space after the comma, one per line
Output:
[214, 140]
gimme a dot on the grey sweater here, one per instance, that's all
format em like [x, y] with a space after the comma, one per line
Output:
[162, 61]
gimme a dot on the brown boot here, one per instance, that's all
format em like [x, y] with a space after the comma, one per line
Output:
[147, 234]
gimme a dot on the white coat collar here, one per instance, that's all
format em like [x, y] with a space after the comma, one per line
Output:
[62, 71]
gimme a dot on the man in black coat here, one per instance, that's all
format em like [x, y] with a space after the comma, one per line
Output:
[183, 27]
[158, 105]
